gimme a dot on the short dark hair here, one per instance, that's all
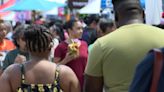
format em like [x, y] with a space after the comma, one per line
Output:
[37, 38]
[126, 7]
[59, 31]
[70, 24]
[91, 18]
[104, 23]
[121, 1]
[132, 4]
[55, 28]
[18, 33]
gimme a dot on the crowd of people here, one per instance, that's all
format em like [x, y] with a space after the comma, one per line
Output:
[100, 56]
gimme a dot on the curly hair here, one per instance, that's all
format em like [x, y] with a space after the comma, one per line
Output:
[37, 38]
[18, 33]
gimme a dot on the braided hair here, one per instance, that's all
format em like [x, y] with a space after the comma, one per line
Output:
[38, 38]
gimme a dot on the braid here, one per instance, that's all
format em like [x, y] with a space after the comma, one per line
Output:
[41, 44]
[38, 38]
[43, 41]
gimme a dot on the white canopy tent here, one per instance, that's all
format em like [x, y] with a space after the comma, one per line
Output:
[54, 11]
[153, 11]
[93, 7]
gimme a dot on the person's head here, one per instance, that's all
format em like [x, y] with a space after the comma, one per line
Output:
[38, 39]
[105, 26]
[74, 28]
[9, 26]
[127, 12]
[18, 38]
[55, 31]
[3, 31]
[92, 20]
[17, 24]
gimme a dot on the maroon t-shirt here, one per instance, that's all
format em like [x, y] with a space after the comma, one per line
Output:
[78, 64]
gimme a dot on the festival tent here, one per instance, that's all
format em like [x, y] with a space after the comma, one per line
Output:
[55, 11]
[153, 11]
[93, 7]
[8, 15]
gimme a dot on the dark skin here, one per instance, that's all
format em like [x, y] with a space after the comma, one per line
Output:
[1, 71]
[94, 83]
[34, 70]
[3, 31]
[122, 13]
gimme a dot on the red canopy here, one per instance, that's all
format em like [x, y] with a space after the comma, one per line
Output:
[5, 5]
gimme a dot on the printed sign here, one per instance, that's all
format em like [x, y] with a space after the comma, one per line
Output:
[77, 4]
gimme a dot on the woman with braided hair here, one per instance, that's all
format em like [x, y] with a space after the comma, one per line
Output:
[38, 74]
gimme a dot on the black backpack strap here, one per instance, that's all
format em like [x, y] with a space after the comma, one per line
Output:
[57, 79]
[22, 74]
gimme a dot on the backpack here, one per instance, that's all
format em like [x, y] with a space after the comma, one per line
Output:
[149, 75]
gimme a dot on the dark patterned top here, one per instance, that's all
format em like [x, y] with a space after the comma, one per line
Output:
[54, 87]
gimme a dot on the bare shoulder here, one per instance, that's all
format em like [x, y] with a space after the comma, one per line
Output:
[66, 73]
[65, 70]
[12, 72]
[12, 69]
[13, 75]
[68, 80]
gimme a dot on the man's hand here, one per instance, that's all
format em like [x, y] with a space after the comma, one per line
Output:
[93, 84]
[20, 59]
[69, 57]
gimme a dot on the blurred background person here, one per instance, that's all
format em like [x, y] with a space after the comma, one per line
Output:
[104, 27]
[89, 33]
[18, 55]
[14, 26]
[56, 27]
[55, 31]
[73, 52]
[9, 30]
[5, 44]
